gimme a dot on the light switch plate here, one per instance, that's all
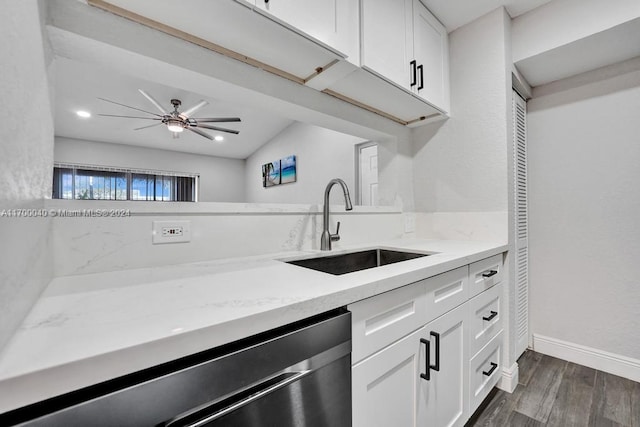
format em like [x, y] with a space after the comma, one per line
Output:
[171, 232]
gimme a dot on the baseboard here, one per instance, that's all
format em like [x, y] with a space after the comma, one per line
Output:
[593, 358]
[509, 379]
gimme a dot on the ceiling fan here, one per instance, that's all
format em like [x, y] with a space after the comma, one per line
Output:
[175, 120]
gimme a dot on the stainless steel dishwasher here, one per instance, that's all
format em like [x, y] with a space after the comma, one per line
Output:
[297, 375]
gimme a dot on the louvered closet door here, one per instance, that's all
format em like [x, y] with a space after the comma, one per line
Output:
[521, 222]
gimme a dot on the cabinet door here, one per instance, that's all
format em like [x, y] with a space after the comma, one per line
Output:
[380, 320]
[333, 22]
[385, 385]
[387, 39]
[431, 51]
[441, 399]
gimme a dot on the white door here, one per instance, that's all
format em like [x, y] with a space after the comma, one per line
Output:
[442, 398]
[385, 385]
[387, 39]
[521, 223]
[330, 21]
[431, 50]
[368, 174]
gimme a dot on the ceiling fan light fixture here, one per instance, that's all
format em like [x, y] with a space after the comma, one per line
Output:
[175, 126]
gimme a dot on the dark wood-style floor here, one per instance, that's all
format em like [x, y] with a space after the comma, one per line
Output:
[553, 392]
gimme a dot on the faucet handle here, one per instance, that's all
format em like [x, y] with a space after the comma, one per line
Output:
[336, 237]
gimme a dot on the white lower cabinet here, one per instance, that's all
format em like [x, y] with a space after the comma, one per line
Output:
[484, 370]
[406, 385]
[426, 354]
[387, 384]
[442, 397]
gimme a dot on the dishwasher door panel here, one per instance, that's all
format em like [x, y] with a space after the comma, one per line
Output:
[312, 356]
[319, 399]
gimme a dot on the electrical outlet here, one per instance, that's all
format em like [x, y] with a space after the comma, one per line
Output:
[409, 222]
[171, 232]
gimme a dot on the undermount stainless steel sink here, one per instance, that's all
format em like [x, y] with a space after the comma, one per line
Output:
[356, 261]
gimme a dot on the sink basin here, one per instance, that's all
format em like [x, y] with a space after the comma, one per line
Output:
[356, 261]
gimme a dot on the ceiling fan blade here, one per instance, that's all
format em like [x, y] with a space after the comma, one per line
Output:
[149, 126]
[153, 101]
[199, 132]
[195, 108]
[129, 117]
[128, 106]
[217, 128]
[218, 119]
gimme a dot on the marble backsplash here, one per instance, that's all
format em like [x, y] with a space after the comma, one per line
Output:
[91, 245]
[474, 226]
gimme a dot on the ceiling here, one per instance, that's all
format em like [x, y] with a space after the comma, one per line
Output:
[79, 85]
[456, 13]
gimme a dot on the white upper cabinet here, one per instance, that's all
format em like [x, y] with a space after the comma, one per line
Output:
[331, 22]
[403, 42]
[404, 60]
[431, 53]
[387, 39]
[386, 56]
[236, 28]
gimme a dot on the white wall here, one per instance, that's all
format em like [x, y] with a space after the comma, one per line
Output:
[321, 155]
[221, 180]
[26, 159]
[584, 175]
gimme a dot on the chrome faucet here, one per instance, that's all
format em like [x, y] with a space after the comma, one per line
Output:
[327, 237]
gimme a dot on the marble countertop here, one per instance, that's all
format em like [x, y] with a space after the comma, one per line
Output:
[90, 328]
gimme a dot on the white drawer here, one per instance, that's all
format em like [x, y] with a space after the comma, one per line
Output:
[380, 320]
[485, 370]
[484, 274]
[485, 318]
[446, 291]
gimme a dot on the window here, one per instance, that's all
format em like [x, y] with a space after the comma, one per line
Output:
[81, 182]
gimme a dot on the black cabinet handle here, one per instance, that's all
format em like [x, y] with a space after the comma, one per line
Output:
[493, 314]
[436, 366]
[427, 344]
[490, 371]
[421, 85]
[489, 273]
[413, 72]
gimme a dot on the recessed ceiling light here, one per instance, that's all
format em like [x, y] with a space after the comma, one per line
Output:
[83, 114]
[219, 138]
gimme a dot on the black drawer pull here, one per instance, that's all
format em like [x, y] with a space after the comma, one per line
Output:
[493, 314]
[413, 72]
[436, 366]
[421, 70]
[490, 371]
[489, 273]
[427, 344]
